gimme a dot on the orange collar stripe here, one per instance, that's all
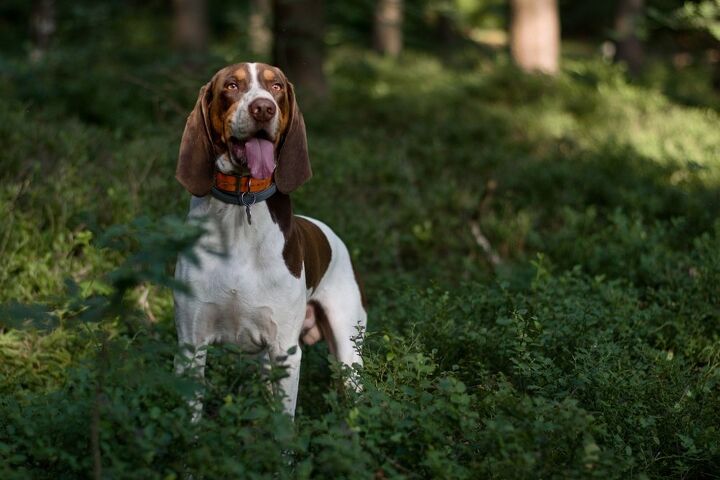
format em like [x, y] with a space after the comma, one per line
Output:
[237, 184]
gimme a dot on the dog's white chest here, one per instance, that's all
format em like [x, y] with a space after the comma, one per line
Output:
[240, 282]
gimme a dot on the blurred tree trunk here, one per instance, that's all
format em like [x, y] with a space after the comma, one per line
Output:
[446, 30]
[535, 35]
[42, 27]
[298, 49]
[629, 48]
[259, 29]
[191, 26]
[388, 27]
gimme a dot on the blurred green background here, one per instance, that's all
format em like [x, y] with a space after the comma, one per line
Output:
[530, 190]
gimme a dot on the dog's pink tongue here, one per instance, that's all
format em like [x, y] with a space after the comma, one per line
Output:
[260, 154]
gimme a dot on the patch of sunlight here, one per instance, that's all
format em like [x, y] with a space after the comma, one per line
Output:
[381, 89]
[492, 37]
[663, 131]
[548, 123]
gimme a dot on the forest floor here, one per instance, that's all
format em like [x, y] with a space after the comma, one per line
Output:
[540, 257]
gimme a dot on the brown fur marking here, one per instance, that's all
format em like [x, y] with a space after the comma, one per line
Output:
[241, 73]
[316, 251]
[268, 75]
[305, 243]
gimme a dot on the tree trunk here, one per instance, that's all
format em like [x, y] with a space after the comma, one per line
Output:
[535, 35]
[446, 30]
[42, 26]
[191, 26]
[388, 27]
[298, 49]
[629, 48]
[259, 28]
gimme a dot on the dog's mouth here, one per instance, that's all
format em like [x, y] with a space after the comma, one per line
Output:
[256, 152]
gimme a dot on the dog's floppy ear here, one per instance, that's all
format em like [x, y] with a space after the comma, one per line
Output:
[293, 163]
[197, 155]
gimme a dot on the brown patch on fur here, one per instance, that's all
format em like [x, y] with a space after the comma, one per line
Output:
[305, 243]
[281, 213]
[316, 251]
[293, 162]
[217, 127]
[225, 102]
[285, 112]
[267, 74]
[194, 168]
[241, 73]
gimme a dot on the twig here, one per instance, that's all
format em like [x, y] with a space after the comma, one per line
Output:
[145, 303]
[480, 239]
[484, 243]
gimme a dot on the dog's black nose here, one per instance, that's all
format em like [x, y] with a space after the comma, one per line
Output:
[262, 109]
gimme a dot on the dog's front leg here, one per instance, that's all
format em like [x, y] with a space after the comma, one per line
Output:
[288, 358]
[191, 360]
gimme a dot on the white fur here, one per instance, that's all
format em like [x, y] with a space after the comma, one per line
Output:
[224, 164]
[243, 293]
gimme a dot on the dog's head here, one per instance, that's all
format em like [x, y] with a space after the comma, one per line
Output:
[247, 120]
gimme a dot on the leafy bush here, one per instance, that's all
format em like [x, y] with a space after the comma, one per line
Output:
[590, 350]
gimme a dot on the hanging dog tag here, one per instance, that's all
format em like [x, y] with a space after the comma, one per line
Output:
[246, 203]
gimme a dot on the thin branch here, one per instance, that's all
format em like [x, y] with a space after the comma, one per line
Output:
[484, 243]
[145, 303]
[487, 197]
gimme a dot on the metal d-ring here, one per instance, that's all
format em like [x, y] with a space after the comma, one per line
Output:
[242, 199]
[246, 204]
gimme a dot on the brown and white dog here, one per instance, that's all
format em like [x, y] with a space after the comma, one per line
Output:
[260, 277]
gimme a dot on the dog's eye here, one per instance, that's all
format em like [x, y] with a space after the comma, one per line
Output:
[231, 86]
[276, 86]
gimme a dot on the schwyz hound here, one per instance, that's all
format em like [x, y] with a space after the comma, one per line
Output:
[280, 280]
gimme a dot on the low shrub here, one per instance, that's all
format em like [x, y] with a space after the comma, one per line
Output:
[579, 341]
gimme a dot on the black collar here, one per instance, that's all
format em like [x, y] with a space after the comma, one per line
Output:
[245, 199]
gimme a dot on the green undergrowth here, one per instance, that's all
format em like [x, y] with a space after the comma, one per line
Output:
[590, 349]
